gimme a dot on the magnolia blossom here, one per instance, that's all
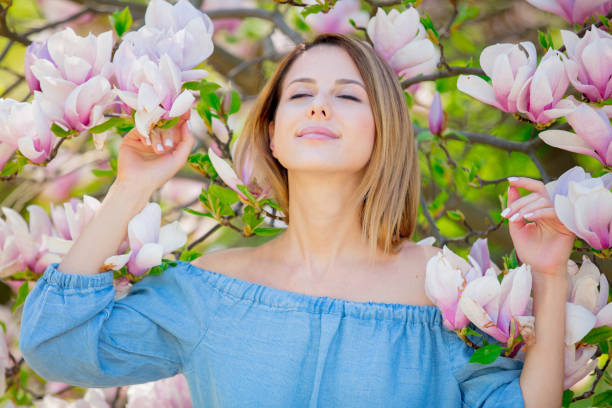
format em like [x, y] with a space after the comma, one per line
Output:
[509, 66]
[575, 174]
[179, 31]
[593, 135]
[540, 97]
[579, 363]
[574, 11]
[479, 254]
[492, 306]
[27, 239]
[148, 241]
[589, 66]
[151, 88]
[36, 50]
[74, 80]
[232, 180]
[436, 115]
[69, 221]
[402, 41]
[337, 19]
[93, 398]
[24, 127]
[447, 275]
[169, 392]
[586, 210]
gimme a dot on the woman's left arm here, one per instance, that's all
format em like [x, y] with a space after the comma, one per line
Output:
[545, 244]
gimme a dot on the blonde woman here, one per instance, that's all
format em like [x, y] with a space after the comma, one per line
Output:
[331, 313]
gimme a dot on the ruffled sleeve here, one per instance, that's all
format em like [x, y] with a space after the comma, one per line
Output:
[494, 385]
[73, 331]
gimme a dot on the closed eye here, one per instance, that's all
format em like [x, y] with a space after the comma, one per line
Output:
[350, 97]
[298, 96]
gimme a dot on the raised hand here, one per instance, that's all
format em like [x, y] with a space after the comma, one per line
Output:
[545, 243]
[150, 163]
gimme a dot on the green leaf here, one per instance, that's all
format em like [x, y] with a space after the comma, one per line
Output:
[429, 25]
[603, 399]
[455, 215]
[169, 123]
[244, 190]
[22, 292]
[59, 131]
[213, 101]
[266, 232]
[568, 395]
[486, 354]
[250, 218]
[598, 335]
[189, 255]
[226, 195]
[471, 332]
[3, 326]
[103, 172]
[201, 214]
[271, 204]
[121, 21]
[315, 8]
[545, 39]
[605, 347]
[103, 127]
[424, 135]
[235, 105]
[603, 20]
[511, 261]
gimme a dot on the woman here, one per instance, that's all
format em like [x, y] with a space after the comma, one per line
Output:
[332, 312]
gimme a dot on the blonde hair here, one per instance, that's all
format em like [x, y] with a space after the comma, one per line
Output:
[389, 190]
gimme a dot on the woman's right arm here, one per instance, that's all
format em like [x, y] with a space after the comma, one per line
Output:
[141, 169]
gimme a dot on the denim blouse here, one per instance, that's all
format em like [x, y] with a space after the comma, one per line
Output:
[242, 344]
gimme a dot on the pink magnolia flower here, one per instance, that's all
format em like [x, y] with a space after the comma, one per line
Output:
[589, 66]
[74, 84]
[152, 89]
[447, 275]
[34, 51]
[148, 241]
[337, 19]
[23, 127]
[479, 254]
[69, 222]
[593, 135]
[492, 306]
[436, 115]
[401, 40]
[579, 363]
[575, 174]
[29, 237]
[169, 392]
[93, 398]
[586, 210]
[540, 97]
[574, 11]
[509, 66]
[179, 31]
[232, 180]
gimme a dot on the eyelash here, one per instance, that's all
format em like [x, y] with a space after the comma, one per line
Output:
[341, 96]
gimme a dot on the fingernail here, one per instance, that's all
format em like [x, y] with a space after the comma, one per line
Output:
[148, 141]
[512, 178]
[505, 212]
[528, 215]
[168, 142]
[514, 217]
[160, 147]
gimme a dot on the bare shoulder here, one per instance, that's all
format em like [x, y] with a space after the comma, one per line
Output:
[227, 261]
[413, 263]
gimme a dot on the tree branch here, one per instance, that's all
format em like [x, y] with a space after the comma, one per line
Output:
[453, 71]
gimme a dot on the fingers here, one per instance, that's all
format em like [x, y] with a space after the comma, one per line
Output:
[528, 184]
[186, 143]
[516, 219]
[158, 147]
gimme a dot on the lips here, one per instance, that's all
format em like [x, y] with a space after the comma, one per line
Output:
[317, 130]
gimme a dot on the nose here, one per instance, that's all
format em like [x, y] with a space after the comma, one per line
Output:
[318, 110]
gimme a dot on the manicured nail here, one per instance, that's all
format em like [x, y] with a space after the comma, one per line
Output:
[160, 147]
[505, 212]
[514, 217]
[168, 142]
[528, 215]
[512, 178]
[148, 141]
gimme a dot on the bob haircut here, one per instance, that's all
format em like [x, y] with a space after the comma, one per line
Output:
[389, 190]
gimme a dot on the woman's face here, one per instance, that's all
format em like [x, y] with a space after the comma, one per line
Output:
[323, 92]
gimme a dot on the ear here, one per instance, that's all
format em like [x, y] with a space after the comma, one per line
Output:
[271, 135]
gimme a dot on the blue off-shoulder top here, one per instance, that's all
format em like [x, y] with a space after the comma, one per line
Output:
[242, 344]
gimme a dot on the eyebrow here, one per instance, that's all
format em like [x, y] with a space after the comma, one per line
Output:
[340, 81]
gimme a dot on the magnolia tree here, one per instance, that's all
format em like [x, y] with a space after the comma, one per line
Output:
[491, 98]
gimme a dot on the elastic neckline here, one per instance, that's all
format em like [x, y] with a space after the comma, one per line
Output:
[281, 299]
